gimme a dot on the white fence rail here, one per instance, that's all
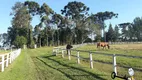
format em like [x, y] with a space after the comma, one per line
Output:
[8, 58]
[57, 50]
[117, 43]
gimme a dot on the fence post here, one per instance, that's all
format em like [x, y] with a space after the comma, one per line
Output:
[56, 51]
[69, 54]
[2, 65]
[62, 53]
[7, 60]
[10, 56]
[12, 53]
[91, 60]
[78, 58]
[114, 64]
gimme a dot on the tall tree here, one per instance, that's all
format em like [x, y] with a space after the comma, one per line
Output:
[95, 28]
[77, 12]
[110, 33]
[36, 33]
[21, 17]
[34, 9]
[131, 32]
[100, 17]
[124, 30]
[20, 41]
[20, 22]
[137, 26]
[45, 13]
[4, 39]
[116, 33]
[58, 20]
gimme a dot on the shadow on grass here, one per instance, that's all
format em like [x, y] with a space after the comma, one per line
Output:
[110, 63]
[55, 68]
[95, 76]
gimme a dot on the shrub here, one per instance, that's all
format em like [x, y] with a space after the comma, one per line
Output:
[32, 44]
[20, 41]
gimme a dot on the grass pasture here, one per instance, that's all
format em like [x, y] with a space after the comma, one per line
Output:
[3, 51]
[123, 63]
[40, 64]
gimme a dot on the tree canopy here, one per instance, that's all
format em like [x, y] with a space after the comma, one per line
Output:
[75, 10]
[73, 25]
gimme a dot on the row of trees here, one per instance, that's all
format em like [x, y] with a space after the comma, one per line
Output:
[73, 25]
[129, 31]
[3, 39]
[113, 34]
[132, 31]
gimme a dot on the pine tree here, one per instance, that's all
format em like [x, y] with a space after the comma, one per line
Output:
[110, 34]
[116, 33]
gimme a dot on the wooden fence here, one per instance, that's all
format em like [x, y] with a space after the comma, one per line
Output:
[58, 50]
[117, 43]
[8, 58]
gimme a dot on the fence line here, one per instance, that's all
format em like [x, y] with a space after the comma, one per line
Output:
[8, 58]
[96, 52]
[117, 43]
[125, 42]
[57, 50]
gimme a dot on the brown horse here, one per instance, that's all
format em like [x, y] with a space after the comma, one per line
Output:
[103, 44]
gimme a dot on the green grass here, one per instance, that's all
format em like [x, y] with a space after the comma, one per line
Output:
[21, 69]
[130, 49]
[122, 61]
[3, 51]
[40, 64]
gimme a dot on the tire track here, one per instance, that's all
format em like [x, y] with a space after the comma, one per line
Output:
[68, 76]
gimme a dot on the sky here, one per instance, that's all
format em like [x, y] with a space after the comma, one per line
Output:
[127, 10]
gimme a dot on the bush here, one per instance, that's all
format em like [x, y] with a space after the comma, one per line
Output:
[32, 44]
[88, 40]
[20, 41]
[98, 38]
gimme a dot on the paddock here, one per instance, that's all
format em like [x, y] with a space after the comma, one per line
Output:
[41, 64]
[8, 58]
[121, 57]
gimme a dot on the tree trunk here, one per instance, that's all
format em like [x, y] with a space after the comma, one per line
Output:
[47, 39]
[40, 42]
[104, 35]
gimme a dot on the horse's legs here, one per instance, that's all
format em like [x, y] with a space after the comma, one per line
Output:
[70, 52]
[103, 47]
[98, 45]
[108, 46]
[67, 51]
